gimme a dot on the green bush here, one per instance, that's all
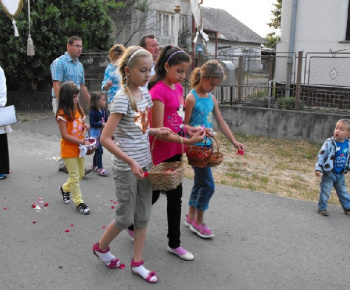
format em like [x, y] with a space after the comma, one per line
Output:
[288, 103]
[52, 22]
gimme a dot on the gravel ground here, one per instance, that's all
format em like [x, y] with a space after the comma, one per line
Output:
[27, 116]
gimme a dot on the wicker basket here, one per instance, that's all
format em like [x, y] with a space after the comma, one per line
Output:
[167, 175]
[216, 157]
[198, 156]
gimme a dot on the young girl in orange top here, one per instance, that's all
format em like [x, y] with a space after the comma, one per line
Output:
[70, 118]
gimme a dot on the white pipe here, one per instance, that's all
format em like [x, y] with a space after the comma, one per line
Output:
[291, 46]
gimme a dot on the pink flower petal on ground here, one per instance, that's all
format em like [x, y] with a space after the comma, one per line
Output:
[122, 266]
[115, 202]
[111, 200]
[67, 231]
[5, 208]
[34, 222]
[112, 207]
[46, 204]
[71, 225]
[103, 227]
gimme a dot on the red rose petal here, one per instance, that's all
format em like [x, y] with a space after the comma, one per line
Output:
[103, 227]
[34, 222]
[71, 225]
[67, 231]
[145, 174]
[112, 207]
[46, 204]
[5, 208]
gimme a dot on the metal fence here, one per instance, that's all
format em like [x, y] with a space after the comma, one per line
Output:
[260, 80]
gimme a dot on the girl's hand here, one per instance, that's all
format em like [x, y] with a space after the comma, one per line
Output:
[190, 131]
[238, 145]
[198, 137]
[136, 169]
[318, 173]
[163, 131]
[108, 85]
[209, 132]
[87, 127]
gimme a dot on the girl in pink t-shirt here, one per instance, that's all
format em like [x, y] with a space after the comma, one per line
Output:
[168, 111]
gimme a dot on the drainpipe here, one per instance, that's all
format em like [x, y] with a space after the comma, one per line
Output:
[291, 46]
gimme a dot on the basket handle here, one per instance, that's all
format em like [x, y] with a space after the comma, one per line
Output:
[217, 143]
[182, 146]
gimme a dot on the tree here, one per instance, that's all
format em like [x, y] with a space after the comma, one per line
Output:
[272, 38]
[131, 17]
[276, 15]
[52, 22]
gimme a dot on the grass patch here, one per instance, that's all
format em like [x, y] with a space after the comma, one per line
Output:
[275, 166]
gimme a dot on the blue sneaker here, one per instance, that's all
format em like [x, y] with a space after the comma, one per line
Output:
[3, 176]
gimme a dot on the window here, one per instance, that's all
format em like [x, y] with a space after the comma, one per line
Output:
[165, 24]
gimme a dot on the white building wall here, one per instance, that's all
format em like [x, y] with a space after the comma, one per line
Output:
[320, 28]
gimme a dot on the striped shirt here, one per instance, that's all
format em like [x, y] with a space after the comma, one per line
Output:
[64, 69]
[131, 134]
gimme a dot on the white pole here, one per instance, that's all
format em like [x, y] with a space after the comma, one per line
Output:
[177, 10]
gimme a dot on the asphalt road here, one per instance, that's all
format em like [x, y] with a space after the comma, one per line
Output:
[262, 241]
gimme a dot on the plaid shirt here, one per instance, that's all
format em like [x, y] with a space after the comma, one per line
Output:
[64, 69]
[111, 74]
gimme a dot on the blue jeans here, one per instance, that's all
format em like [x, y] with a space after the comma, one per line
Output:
[336, 180]
[203, 188]
[97, 160]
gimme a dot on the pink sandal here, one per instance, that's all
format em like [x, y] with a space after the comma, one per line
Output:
[102, 172]
[113, 262]
[151, 276]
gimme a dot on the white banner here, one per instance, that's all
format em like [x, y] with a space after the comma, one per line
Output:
[12, 7]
